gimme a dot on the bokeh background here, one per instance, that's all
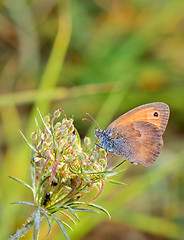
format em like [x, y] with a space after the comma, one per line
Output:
[104, 57]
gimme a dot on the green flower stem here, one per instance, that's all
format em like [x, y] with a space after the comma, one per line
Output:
[20, 232]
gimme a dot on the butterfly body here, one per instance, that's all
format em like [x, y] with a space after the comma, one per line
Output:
[137, 135]
[106, 141]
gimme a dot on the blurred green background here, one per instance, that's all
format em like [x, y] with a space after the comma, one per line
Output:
[104, 57]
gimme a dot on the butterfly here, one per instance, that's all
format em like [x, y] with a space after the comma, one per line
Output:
[136, 135]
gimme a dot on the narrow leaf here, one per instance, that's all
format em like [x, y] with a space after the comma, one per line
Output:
[118, 165]
[37, 126]
[103, 172]
[85, 210]
[48, 130]
[25, 203]
[116, 182]
[21, 182]
[72, 171]
[78, 137]
[68, 216]
[44, 180]
[75, 203]
[66, 224]
[47, 217]
[72, 212]
[61, 227]
[114, 173]
[28, 143]
[100, 208]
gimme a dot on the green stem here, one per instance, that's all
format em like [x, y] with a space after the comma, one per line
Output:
[23, 230]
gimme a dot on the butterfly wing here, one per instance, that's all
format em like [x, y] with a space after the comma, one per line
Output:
[156, 113]
[138, 142]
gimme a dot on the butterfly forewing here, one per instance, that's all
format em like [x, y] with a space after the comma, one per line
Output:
[156, 113]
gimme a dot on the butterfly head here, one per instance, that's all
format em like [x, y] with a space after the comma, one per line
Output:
[99, 133]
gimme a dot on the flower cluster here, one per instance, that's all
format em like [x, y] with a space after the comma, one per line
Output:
[63, 170]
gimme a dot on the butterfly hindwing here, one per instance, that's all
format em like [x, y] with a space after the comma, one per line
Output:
[138, 142]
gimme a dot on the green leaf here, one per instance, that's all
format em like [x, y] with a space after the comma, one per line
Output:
[103, 172]
[113, 168]
[72, 212]
[114, 173]
[72, 171]
[36, 226]
[100, 208]
[25, 203]
[66, 224]
[39, 186]
[44, 180]
[37, 127]
[47, 217]
[116, 182]
[21, 182]
[68, 216]
[61, 227]
[90, 148]
[56, 144]
[78, 137]
[48, 130]
[85, 210]
[75, 203]
[76, 206]
[28, 143]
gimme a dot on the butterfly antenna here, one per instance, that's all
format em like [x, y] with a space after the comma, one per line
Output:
[93, 120]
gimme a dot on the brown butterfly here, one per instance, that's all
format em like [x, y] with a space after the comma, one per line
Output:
[136, 135]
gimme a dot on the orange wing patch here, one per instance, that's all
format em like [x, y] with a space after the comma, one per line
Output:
[155, 113]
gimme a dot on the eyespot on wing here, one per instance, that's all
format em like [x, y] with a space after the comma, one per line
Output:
[156, 113]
